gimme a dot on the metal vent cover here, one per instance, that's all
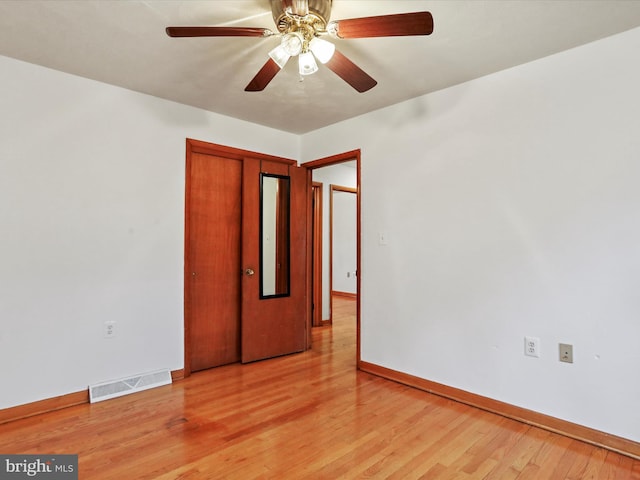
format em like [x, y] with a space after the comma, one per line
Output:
[137, 383]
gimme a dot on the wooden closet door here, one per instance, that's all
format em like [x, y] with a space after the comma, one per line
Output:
[212, 298]
[226, 321]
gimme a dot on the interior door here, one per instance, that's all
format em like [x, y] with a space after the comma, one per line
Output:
[226, 318]
[274, 313]
[212, 276]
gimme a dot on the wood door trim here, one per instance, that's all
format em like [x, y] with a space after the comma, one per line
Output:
[309, 257]
[198, 146]
[334, 159]
[325, 162]
[316, 288]
[194, 147]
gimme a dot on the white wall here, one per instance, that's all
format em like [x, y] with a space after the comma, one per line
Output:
[345, 176]
[512, 208]
[92, 218]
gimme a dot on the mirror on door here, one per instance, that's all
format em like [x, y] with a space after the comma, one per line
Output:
[274, 235]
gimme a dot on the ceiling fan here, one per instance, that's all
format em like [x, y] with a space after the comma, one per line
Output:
[301, 25]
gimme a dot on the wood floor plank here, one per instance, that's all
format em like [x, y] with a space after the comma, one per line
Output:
[444, 448]
[550, 460]
[519, 454]
[614, 466]
[310, 415]
[407, 438]
[499, 441]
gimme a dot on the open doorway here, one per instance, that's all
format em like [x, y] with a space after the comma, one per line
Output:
[343, 237]
[335, 275]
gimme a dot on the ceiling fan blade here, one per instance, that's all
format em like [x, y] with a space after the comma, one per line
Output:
[263, 77]
[218, 32]
[401, 24]
[350, 72]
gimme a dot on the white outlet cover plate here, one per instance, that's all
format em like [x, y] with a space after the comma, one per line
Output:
[109, 329]
[532, 346]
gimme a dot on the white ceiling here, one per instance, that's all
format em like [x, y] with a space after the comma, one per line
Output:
[124, 43]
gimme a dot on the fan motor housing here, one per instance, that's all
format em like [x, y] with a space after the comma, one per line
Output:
[321, 9]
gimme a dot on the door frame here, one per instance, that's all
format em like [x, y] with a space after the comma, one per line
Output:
[325, 162]
[232, 153]
[316, 249]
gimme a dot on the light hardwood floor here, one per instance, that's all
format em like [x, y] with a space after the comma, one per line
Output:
[309, 415]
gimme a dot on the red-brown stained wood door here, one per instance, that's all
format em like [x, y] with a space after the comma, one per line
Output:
[277, 325]
[212, 293]
[225, 319]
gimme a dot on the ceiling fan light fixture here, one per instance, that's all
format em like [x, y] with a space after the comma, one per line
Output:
[300, 23]
[307, 64]
[322, 49]
[292, 43]
[280, 56]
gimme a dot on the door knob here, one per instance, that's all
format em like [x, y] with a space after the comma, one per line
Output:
[249, 272]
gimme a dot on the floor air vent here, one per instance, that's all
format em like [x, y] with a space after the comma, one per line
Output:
[125, 386]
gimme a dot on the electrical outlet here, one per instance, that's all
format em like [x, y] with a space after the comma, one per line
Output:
[532, 346]
[566, 353]
[109, 329]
